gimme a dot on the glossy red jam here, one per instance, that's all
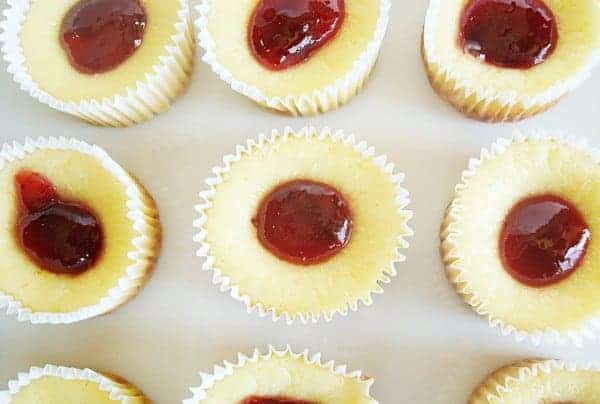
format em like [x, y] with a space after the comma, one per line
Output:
[274, 400]
[99, 35]
[283, 33]
[60, 236]
[544, 240]
[304, 222]
[516, 34]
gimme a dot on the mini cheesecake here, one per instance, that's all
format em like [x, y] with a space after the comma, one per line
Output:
[300, 56]
[520, 238]
[109, 62]
[540, 381]
[63, 385]
[303, 224]
[505, 60]
[282, 377]
[80, 234]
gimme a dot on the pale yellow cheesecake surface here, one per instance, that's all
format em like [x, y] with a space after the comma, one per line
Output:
[62, 385]
[489, 92]
[288, 375]
[379, 226]
[228, 22]
[513, 170]
[49, 66]
[539, 382]
[129, 222]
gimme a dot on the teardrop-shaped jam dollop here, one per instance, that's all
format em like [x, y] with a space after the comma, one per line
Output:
[63, 237]
[284, 33]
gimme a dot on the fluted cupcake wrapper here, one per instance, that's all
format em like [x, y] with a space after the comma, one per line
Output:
[150, 96]
[144, 247]
[227, 369]
[119, 390]
[505, 379]
[452, 260]
[226, 284]
[330, 97]
[481, 102]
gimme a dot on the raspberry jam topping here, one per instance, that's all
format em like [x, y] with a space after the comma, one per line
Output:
[99, 35]
[60, 236]
[283, 33]
[516, 34]
[274, 400]
[544, 240]
[304, 222]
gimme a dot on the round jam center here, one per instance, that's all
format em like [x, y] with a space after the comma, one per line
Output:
[59, 236]
[544, 240]
[283, 33]
[99, 35]
[515, 34]
[304, 222]
[274, 400]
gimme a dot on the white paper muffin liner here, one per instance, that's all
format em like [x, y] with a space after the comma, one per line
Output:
[144, 247]
[322, 100]
[151, 95]
[117, 391]
[220, 372]
[499, 383]
[590, 329]
[225, 283]
[513, 106]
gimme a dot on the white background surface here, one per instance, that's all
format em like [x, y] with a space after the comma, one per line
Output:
[418, 340]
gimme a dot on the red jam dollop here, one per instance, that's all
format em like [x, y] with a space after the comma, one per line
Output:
[516, 34]
[60, 236]
[283, 33]
[274, 400]
[99, 35]
[304, 222]
[544, 240]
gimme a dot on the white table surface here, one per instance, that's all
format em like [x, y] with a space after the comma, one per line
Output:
[418, 340]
